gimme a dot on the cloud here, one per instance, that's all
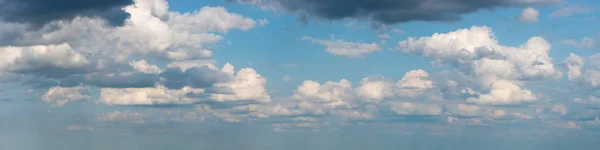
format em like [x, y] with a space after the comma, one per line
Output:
[570, 10]
[585, 43]
[76, 127]
[347, 49]
[574, 65]
[496, 68]
[408, 108]
[245, 85]
[195, 77]
[39, 12]
[83, 49]
[287, 78]
[391, 11]
[528, 15]
[62, 95]
[114, 80]
[44, 60]
[121, 116]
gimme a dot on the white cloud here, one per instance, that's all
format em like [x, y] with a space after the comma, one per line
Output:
[585, 43]
[407, 108]
[331, 93]
[143, 66]
[375, 89]
[62, 95]
[574, 65]
[347, 49]
[570, 10]
[41, 59]
[496, 68]
[504, 92]
[244, 85]
[528, 15]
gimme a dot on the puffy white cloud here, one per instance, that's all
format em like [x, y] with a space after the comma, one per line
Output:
[504, 92]
[62, 95]
[574, 65]
[528, 15]
[143, 66]
[413, 83]
[585, 43]
[45, 60]
[496, 68]
[343, 48]
[375, 89]
[245, 85]
[88, 45]
[331, 93]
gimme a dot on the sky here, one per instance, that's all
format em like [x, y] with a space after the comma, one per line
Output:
[299, 74]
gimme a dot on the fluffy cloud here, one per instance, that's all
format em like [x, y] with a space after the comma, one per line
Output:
[45, 60]
[347, 49]
[246, 85]
[62, 95]
[528, 15]
[74, 47]
[574, 65]
[407, 108]
[390, 11]
[496, 68]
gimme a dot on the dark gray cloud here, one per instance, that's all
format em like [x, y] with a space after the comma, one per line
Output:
[39, 12]
[196, 77]
[391, 11]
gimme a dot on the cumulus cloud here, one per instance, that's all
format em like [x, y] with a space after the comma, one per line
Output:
[570, 10]
[39, 12]
[408, 108]
[391, 11]
[62, 95]
[45, 60]
[245, 85]
[77, 46]
[574, 65]
[528, 15]
[347, 49]
[496, 68]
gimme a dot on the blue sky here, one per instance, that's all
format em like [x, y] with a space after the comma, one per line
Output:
[252, 74]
